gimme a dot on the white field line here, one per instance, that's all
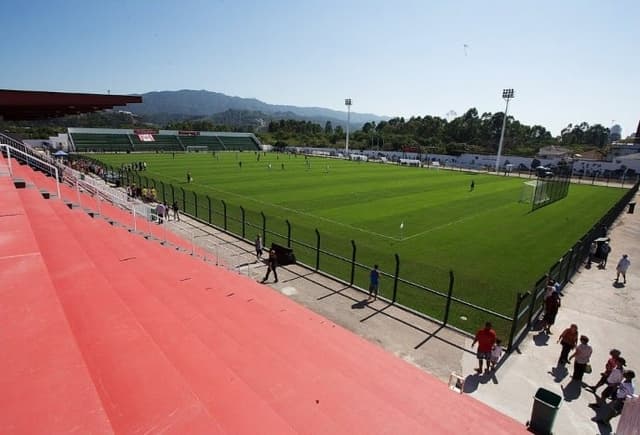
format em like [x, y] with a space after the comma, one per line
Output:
[451, 223]
[331, 221]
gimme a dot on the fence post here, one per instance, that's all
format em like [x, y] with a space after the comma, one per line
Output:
[209, 207]
[224, 211]
[184, 199]
[173, 194]
[146, 181]
[575, 259]
[195, 203]
[153, 181]
[139, 180]
[243, 222]
[532, 306]
[288, 233]
[449, 294]
[164, 197]
[567, 262]
[264, 227]
[353, 262]
[317, 249]
[514, 321]
[395, 277]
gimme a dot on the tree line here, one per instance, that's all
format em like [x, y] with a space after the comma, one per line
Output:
[470, 132]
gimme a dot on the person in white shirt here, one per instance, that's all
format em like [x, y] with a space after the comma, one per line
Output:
[625, 390]
[496, 353]
[613, 380]
[582, 354]
[622, 267]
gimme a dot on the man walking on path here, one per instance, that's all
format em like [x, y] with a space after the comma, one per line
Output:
[272, 264]
[374, 281]
[485, 338]
[176, 212]
[568, 339]
[605, 250]
[621, 269]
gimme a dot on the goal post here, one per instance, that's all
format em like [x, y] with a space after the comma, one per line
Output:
[528, 191]
[196, 148]
[534, 192]
[544, 191]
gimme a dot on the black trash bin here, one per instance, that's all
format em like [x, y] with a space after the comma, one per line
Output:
[632, 207]
[285, 255]
[543, 414]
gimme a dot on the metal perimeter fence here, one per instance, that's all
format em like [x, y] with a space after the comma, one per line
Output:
[316, 251]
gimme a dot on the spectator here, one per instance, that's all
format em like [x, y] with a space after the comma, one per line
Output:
[622, 267]
[612, 362]
[613, 380]
[485, 338]
[551, 306]
[272, 264]
[259, 247]
[568, 339]
[166, 211]
[374, 282]
[176, 212]
[582, 354]
[604, 251]
[592, 253]
[496, 353]
[624, 391]
[160, 212]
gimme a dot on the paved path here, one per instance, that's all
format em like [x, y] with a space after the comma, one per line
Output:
[604, 312]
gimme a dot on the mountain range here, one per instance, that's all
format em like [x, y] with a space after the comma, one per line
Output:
[194, 104]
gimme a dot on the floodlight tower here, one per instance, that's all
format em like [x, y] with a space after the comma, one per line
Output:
[347, 102]
[507, 94]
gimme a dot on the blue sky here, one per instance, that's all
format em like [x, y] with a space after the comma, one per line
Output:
[568, 61]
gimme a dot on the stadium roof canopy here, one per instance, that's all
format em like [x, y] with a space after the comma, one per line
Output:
[26, 105]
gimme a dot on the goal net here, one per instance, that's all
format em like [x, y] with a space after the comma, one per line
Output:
[197, 148]
[542, 192]
[533, 192]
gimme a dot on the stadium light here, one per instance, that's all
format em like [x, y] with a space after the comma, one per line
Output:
[507, 94]
[347, 102]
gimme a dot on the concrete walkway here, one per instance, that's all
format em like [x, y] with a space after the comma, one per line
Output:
[604, 312]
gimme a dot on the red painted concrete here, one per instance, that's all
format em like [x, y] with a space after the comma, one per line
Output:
[170, 343]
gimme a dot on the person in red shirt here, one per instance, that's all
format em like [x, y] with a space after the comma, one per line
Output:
[485, 338]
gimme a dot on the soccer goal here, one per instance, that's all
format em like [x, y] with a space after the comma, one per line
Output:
[533, 192]
[197, 148]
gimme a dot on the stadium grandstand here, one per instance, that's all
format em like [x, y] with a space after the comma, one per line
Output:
[132, 140]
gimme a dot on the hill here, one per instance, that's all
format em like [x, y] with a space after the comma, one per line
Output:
[201, 103]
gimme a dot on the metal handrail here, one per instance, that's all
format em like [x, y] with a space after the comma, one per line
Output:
[19, 154]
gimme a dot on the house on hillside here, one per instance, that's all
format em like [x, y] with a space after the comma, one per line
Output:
[554, 152]
[592, 155]
[619, 149]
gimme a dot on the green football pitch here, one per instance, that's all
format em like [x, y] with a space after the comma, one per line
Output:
[495, 246]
